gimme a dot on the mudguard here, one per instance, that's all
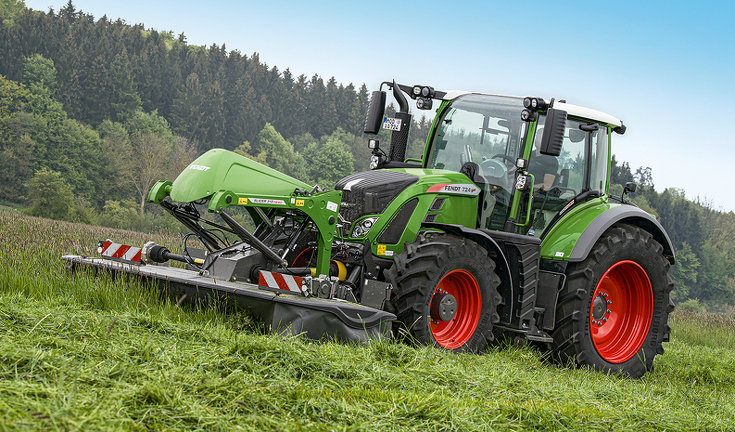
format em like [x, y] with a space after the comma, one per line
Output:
[481, 238]
[627, 214]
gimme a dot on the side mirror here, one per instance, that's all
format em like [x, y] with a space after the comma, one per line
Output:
[576, 135]
[554, 127]
[629, 188]
[376, 109]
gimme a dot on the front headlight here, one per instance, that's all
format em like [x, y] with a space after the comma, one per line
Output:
[363, 227]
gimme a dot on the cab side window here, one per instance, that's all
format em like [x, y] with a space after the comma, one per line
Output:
[581, 166]
[572, 159]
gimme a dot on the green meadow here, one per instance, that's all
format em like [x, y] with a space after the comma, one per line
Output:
[80, 351]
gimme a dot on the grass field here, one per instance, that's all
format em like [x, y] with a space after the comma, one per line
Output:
[82, 352]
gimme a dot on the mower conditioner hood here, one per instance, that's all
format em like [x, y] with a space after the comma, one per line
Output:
[220, 169]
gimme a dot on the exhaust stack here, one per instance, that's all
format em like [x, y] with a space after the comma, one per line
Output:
[399, 138]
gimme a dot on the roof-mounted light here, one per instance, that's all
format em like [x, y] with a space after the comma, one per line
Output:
[620, 129]
[424, 103]
[422, 91]
[535, 103]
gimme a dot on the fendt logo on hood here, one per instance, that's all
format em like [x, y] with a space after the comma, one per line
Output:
[199, 167]
[454, 188]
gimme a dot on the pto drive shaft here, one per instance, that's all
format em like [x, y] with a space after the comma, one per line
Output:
[156, 253]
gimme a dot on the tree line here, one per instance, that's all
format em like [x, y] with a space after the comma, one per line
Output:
[703, 239]
[84, 95]
[93, 112]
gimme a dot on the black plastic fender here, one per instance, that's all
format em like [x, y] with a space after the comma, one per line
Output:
[484, 240]
[624, 213]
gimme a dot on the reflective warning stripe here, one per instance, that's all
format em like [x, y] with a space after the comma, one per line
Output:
[119, 252]
[280, 281]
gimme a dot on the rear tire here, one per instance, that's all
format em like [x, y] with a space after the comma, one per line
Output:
[445, 292]
[612, 314]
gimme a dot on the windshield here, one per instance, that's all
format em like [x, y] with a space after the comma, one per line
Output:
[476, 128]
[487, 131]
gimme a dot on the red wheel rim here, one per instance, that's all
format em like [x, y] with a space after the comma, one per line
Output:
[621, 311]
[303, 258]
[456, 332]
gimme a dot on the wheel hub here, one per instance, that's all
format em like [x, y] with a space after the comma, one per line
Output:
[443, 307]
[599, 307]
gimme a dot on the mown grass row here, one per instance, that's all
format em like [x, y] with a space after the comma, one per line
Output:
[84, 352]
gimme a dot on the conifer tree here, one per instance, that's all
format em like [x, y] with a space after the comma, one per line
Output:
[124, 98]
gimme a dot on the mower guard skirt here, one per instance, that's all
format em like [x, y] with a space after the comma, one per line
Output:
[283, 313]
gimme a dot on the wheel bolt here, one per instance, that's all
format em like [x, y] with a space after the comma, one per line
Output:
[599, 323]
[604, 319]
[605, 294]
[609, 311]
[609, 302]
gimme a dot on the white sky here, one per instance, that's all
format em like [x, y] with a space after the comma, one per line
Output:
[664, 68]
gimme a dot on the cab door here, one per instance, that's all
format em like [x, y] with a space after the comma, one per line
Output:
[560, 182]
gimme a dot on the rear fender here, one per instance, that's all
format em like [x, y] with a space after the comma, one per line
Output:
[621, 214]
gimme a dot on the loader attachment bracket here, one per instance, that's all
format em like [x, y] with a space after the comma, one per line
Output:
[321, 207]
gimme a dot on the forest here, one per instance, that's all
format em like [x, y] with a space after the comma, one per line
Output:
[93, 111]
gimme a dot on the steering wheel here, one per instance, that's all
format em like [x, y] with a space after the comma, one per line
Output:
[495, 172]
[511, 162]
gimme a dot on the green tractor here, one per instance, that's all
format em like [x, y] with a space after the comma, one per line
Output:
[505, 226]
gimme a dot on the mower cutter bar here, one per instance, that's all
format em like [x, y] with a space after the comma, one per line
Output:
[314, 317]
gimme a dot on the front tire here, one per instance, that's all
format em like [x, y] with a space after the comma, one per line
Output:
[613, 311]
[445, 292]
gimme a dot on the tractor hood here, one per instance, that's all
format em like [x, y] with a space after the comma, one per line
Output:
[370, 192]
[220, 169]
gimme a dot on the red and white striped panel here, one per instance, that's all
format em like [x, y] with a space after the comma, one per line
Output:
[280, 281]
[119, 252]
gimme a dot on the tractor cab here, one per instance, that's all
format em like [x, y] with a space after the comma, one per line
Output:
[481, 136]
[578, 173]
[528, 178]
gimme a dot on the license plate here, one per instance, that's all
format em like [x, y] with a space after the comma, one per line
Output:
[393, 124]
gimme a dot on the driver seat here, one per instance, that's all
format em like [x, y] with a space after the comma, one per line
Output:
[474, 173]
[486, 199]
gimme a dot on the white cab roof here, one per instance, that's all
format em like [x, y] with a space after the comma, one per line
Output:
[587, 113]
[572, 110]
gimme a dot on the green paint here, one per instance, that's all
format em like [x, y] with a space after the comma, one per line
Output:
[218, 170]
[563, 235]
